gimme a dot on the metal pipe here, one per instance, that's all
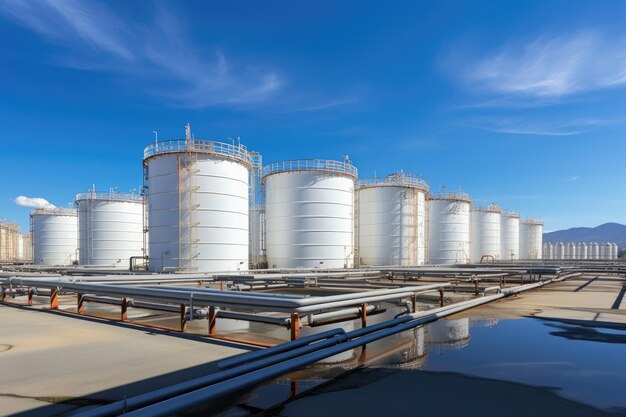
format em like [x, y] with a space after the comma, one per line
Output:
[316, 318]
[325, 350]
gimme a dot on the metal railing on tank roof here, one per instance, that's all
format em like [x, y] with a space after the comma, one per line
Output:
[394, 180]
[324, 165]
[453, 195]
[529, 220]
[491, 208]
[54, 211]
[109, 196]
[228, 150]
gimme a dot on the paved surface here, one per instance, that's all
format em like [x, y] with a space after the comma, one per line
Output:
[59, 362]
[593, 298]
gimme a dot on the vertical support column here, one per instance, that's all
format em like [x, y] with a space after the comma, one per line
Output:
[295, 387]
[31, 292]
[80, 300]
[364, 315]
[441, 300]
[212, 321]
[183, 319]
[54, 299]
[476, 287]
[4, 292]
[124, 309]
[414, 303]
[295, 326]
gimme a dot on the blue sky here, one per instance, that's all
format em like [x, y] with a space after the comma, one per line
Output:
[520, 103]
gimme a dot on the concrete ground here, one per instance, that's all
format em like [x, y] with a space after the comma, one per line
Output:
[51, 364]
[591, 298]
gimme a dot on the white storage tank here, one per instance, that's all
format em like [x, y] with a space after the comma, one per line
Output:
[55, 236]
[509, 235]
[309, 213]
[449, 228]
[606, 251]
[548, 251]
[391, 220]
[594, 251]
[485, 232]
[559, 251]
[110, 228]
[197, 192]
[581, 251]
[531, 238]
[615, 251]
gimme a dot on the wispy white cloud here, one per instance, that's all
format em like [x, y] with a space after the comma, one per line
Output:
[328, 104]
[538, 127]
[574, 178]
[157, 51]
[33, 202]
[550, 68]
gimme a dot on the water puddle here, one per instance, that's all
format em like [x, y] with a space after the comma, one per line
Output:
[467, 366]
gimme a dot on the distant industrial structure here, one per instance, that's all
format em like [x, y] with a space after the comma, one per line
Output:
[581, 251]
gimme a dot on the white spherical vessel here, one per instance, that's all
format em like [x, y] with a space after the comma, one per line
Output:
[391, 225]
[509, 235]
[309, 213]
[110, 228]
[449, 228]
[55, 236]
[197, 194]
[485, 232]
[531, 239]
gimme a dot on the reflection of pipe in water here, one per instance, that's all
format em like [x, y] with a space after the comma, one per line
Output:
[450, 332]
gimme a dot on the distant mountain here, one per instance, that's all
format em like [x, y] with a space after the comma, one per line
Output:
[607, 232]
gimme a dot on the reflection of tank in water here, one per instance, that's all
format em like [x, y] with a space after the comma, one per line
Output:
[453, 333]
[484, 322]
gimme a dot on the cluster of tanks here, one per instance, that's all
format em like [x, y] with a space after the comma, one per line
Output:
[209, 206]
[581, 250]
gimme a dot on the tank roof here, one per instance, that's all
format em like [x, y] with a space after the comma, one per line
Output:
[394, 180]
[452, 196]
[491, 208]
[510, 213]
[54, 211]
[538, 222]
[109, 196]
[237, 152]
[323, 165]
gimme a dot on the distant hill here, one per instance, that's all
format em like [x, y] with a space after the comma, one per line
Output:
[607, 232]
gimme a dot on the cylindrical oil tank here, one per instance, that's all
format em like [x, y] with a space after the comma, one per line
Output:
[449, 228]
[548, 251]
[581, 251]
[509, 235]
[391, 220]
[110, 228]
[197, 192]
[615, 251]
[55, 236]
[531, 238]
[606, 251]
[485, 232]
[594, 251]
[559, 250]
[309, 213]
